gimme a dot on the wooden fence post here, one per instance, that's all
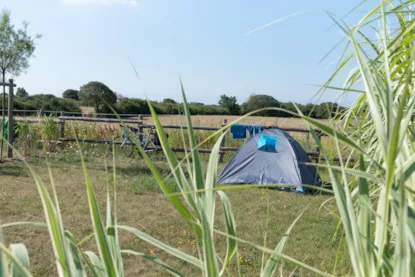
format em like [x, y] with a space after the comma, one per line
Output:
[222, 143]
[140, 128]
[11, 121]
[319, 138]
[62, 131]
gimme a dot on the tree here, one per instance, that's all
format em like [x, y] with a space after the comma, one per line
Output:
[168, 100]
[97, 95]
[71, 94]
[260, 101]
[21, 92]
[230, 103]
[16, 48]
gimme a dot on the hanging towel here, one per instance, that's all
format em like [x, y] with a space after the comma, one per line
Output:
[238, 131]
[254, 129]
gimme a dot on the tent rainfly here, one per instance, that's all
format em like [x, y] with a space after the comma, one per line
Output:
[271, 157]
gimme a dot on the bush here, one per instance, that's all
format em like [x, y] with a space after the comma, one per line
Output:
[47, 102]
[132, 106]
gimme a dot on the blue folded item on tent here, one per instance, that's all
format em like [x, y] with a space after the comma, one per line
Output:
[254, 129]
[238, 131]
[267, 143]
[300, 190]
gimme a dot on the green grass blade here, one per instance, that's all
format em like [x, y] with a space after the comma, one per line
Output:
[99, 230]
[333, 132]
[77, 268]
[210, 183]
[3, 259]
[402, 250]
[20, 223]
[197, 164]
[230, 229]
[170, 250]
[6, 253]
[365, 219]
[174, 164]
[167, 190]
[97, 267]
[155, 260]
[386, 63]
[54, 227]
[272, 263]
[209, 255]
[19, 251]
[112, 233]
[116, 241]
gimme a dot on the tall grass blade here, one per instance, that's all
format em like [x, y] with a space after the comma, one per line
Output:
[18, 257]
[230, 223]
[167, 190]
[55, 231]
[197, 165]
[365, 219]
[210, 183]
[155, 260]
[75, 256]
[19, 251]
[96, 265]
[402, 250]
[272, 262]
[175, 169]
[3, 259]
[168, 249]
[99, 230]
[209, 254]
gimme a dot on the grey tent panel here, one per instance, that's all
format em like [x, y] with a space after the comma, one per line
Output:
[285, 166]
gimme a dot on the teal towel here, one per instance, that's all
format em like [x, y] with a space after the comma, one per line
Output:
[238, 131]
[254, 129]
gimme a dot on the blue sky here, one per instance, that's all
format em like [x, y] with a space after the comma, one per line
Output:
[201, 41]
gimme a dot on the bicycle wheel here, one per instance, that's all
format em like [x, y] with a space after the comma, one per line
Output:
[126, 146]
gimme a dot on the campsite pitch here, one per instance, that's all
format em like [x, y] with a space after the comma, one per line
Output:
[258, 212]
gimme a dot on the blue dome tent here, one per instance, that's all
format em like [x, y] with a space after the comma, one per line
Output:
[271, 157]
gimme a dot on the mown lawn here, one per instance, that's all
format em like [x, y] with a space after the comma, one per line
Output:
[142, 205]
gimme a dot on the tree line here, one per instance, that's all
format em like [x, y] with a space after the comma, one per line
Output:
[101, 97]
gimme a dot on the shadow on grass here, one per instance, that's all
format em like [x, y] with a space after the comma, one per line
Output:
[15, 169]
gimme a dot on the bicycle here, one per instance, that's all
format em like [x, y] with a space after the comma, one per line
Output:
[149, 142]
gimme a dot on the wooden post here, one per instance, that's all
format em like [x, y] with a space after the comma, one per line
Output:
[222, 143]
[319, 138]
[62, 131]
[11, 121]
[140, 127]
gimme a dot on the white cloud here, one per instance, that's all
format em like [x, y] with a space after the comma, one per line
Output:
[100, 2]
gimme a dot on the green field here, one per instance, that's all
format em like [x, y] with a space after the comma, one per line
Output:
[259, 213]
